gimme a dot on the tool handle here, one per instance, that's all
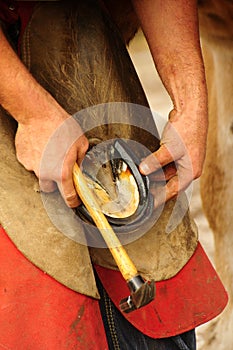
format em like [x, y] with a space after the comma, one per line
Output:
[124, 263]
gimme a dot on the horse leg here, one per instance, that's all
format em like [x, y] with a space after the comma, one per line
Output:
[217, 178]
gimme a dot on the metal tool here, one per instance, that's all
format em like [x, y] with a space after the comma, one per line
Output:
[142, 292]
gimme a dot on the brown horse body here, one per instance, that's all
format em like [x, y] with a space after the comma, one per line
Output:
[216, 28]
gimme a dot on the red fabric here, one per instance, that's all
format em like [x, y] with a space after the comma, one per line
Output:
[194, 296]
[25, 9]
[37, 313]
[9, 11]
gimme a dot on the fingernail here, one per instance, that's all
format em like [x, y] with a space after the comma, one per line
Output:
[144, 168]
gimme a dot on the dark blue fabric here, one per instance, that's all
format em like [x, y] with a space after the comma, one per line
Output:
[121, 335]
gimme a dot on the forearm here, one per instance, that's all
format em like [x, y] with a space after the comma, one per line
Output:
[171, 29]
[20, 94]
[40, 118]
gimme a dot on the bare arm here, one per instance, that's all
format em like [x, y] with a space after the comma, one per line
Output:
[171, 29]
[38, 116]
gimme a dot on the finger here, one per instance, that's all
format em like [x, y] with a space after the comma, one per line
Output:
[67, 190]
[47, 186]
[66, 185]
[171, 190]
[164, 193]
[83, 148]
[156, 161]
[164, 174]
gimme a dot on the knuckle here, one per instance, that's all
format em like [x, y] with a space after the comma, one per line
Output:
[64, 175]
[173, 193]
[173, 189]
[71, 200]
[84, 148]
[85, 144]
[47, 186]
[27, 165]
[198, 173]
[70, 197]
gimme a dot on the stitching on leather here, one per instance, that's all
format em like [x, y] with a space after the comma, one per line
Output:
[111, 322]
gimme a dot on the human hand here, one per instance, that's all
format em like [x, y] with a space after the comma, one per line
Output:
[50, 149]
[180, 158]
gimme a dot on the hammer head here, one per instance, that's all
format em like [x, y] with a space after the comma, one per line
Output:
[142, 293]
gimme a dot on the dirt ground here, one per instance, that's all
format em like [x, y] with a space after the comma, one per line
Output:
[160, 103]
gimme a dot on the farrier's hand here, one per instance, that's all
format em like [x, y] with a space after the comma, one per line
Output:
[171, 30]
[180, 158]
[50, 149]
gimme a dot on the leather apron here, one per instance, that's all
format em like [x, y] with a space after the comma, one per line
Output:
[99, 71]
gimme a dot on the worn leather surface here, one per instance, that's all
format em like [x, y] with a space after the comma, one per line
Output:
[24, 218]
[97, 70]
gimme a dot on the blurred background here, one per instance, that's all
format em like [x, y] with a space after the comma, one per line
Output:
[160, 103]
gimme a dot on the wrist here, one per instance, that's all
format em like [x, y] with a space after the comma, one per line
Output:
[186, 86]
[35, 106]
